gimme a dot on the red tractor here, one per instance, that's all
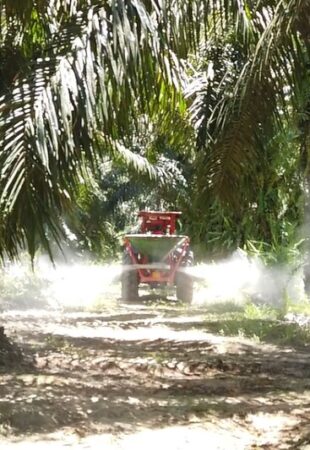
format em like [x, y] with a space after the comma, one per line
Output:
[157, 256]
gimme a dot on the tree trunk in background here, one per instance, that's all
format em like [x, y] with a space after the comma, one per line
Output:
[304, 127]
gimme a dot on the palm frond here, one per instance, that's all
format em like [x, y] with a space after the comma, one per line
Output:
[233, 115]
[92, 66]
[135, 162]
[48, 119]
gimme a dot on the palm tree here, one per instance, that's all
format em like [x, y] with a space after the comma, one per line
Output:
[249, 88]
[77, 76]
[261, 78]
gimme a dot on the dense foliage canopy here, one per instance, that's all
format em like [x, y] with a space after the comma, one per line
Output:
[208, 97]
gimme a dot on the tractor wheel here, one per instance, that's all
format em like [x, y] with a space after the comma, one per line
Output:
[129, 280]
[184, 282]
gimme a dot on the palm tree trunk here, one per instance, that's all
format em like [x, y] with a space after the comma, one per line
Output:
[305, 167]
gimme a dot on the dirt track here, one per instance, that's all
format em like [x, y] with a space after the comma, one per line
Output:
[145, 375]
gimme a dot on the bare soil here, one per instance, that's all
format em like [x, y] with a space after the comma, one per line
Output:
[148, 375]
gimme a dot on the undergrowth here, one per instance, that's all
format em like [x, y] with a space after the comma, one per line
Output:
[262, 323]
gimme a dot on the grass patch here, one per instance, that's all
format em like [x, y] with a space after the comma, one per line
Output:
[275, 332]
[224, 308]
[261, 323]
[299, 308]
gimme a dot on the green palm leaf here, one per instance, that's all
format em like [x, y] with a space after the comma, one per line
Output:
[84, 67]
[98, 65]
[236, 114]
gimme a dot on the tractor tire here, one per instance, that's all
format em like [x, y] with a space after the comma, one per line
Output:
[129, 281]
[184, 282]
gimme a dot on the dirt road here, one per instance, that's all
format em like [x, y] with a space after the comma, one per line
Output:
[148, 375]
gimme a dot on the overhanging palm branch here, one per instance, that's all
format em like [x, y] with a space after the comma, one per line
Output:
[99, 64]
[92, 65]
[246, 107]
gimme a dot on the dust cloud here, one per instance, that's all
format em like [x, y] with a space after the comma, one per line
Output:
[75, 285]
[82, 285]
[241, 278]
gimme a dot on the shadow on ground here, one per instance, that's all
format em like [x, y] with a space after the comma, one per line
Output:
[123, 383]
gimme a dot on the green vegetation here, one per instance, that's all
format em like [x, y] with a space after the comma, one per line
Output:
[108, 107]
[261, 323]
[111, 106]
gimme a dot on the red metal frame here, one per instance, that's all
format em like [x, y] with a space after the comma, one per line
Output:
[158, 222]
[154, 222]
